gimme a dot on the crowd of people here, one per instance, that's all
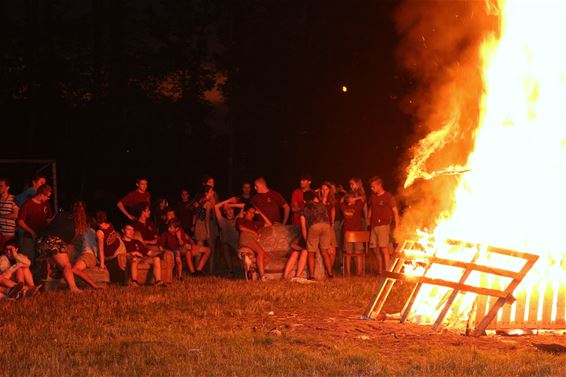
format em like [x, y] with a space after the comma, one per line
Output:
[192, 229]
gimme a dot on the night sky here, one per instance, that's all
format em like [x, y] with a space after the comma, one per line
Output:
[173, 90]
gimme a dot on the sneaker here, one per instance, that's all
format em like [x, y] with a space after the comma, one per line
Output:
[264, 278]
[33, 291]
[158, 283]
[15, 290]
[133, 284]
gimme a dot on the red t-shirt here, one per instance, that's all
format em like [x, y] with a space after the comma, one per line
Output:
[135, 198]
[35, 214]
[298, 200]
[381, 207]
[353, 215]
[270, 204]
[250, 224]
[146, 230]
[136, 245]
[168, 241]
[185, 212]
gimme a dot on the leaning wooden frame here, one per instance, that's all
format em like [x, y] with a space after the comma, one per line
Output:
[404, 254]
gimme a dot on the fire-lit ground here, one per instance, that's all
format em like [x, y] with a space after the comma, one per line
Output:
[211, 326]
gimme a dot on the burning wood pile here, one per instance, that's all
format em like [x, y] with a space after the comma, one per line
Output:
[495, 116]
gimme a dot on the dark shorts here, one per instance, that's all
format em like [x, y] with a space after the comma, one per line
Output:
[49, 246]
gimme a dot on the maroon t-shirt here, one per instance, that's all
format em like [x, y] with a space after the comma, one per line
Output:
[270, 204]
[298, 199]
[136, 245]
[353, 215]
[135, 198]
[146, 230]
[250, 224]
[168, 241]
[185, 212]
[111, 240]
[381, 208]
[35, 214]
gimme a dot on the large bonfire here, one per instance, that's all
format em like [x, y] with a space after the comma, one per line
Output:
[509, 190]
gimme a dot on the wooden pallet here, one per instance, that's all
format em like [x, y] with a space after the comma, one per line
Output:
[414, 251]
[541, 306]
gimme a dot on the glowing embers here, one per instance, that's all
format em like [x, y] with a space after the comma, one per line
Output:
[449, 276]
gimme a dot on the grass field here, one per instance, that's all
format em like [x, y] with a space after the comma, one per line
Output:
[217, 327]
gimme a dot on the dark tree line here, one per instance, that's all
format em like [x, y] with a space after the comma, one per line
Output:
[117, 88]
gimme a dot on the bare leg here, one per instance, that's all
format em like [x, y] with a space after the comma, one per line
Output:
[62, 261]
[78, 269]
[359, 266]
[348, 264]
[179, 266]
[302, 262]
[20, 275]
[28, 277]
[327, 262]
[310, 261]
[189, 259]
[227, 258]
[385, 256]
[290, 264]
[203, 257]
[157, 268]
[379, 262]
[134, 269]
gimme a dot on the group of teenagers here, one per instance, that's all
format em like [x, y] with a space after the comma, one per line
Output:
[71, 241]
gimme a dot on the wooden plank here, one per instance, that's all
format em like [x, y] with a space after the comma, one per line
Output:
[445, 283]
[512, 253]
[384, 286]
[531, 321]
[546, 319]
[561, 306]
[465, 265]
[482, 300]
[520, 306]
[454, 294]
[409, 304]
[504, 320]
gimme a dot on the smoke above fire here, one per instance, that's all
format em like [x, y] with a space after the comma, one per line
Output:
[440, 50]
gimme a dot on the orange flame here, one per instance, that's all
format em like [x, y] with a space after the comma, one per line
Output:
[514, 194]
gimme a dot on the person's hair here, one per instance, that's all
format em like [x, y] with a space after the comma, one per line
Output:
[138, 209]
[331, 198]
[44, 189]
[246, 183]
[184, 190]
[205, 179]
[142, 179]
[6, 181]
[248, 206]
[358, 181]
[168, 209]
[347, 197]
[309, 196]
[174, 222]
[11, 242]
[305, 177]
[101, 217]
[376, 179]
[37, 177]
[205, 190]
[79, 217]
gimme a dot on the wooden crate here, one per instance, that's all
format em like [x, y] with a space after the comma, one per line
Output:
[496, 295]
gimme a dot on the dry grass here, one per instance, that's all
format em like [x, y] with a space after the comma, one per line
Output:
[216, 327]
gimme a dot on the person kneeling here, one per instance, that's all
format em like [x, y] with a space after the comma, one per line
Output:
[138, 253]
